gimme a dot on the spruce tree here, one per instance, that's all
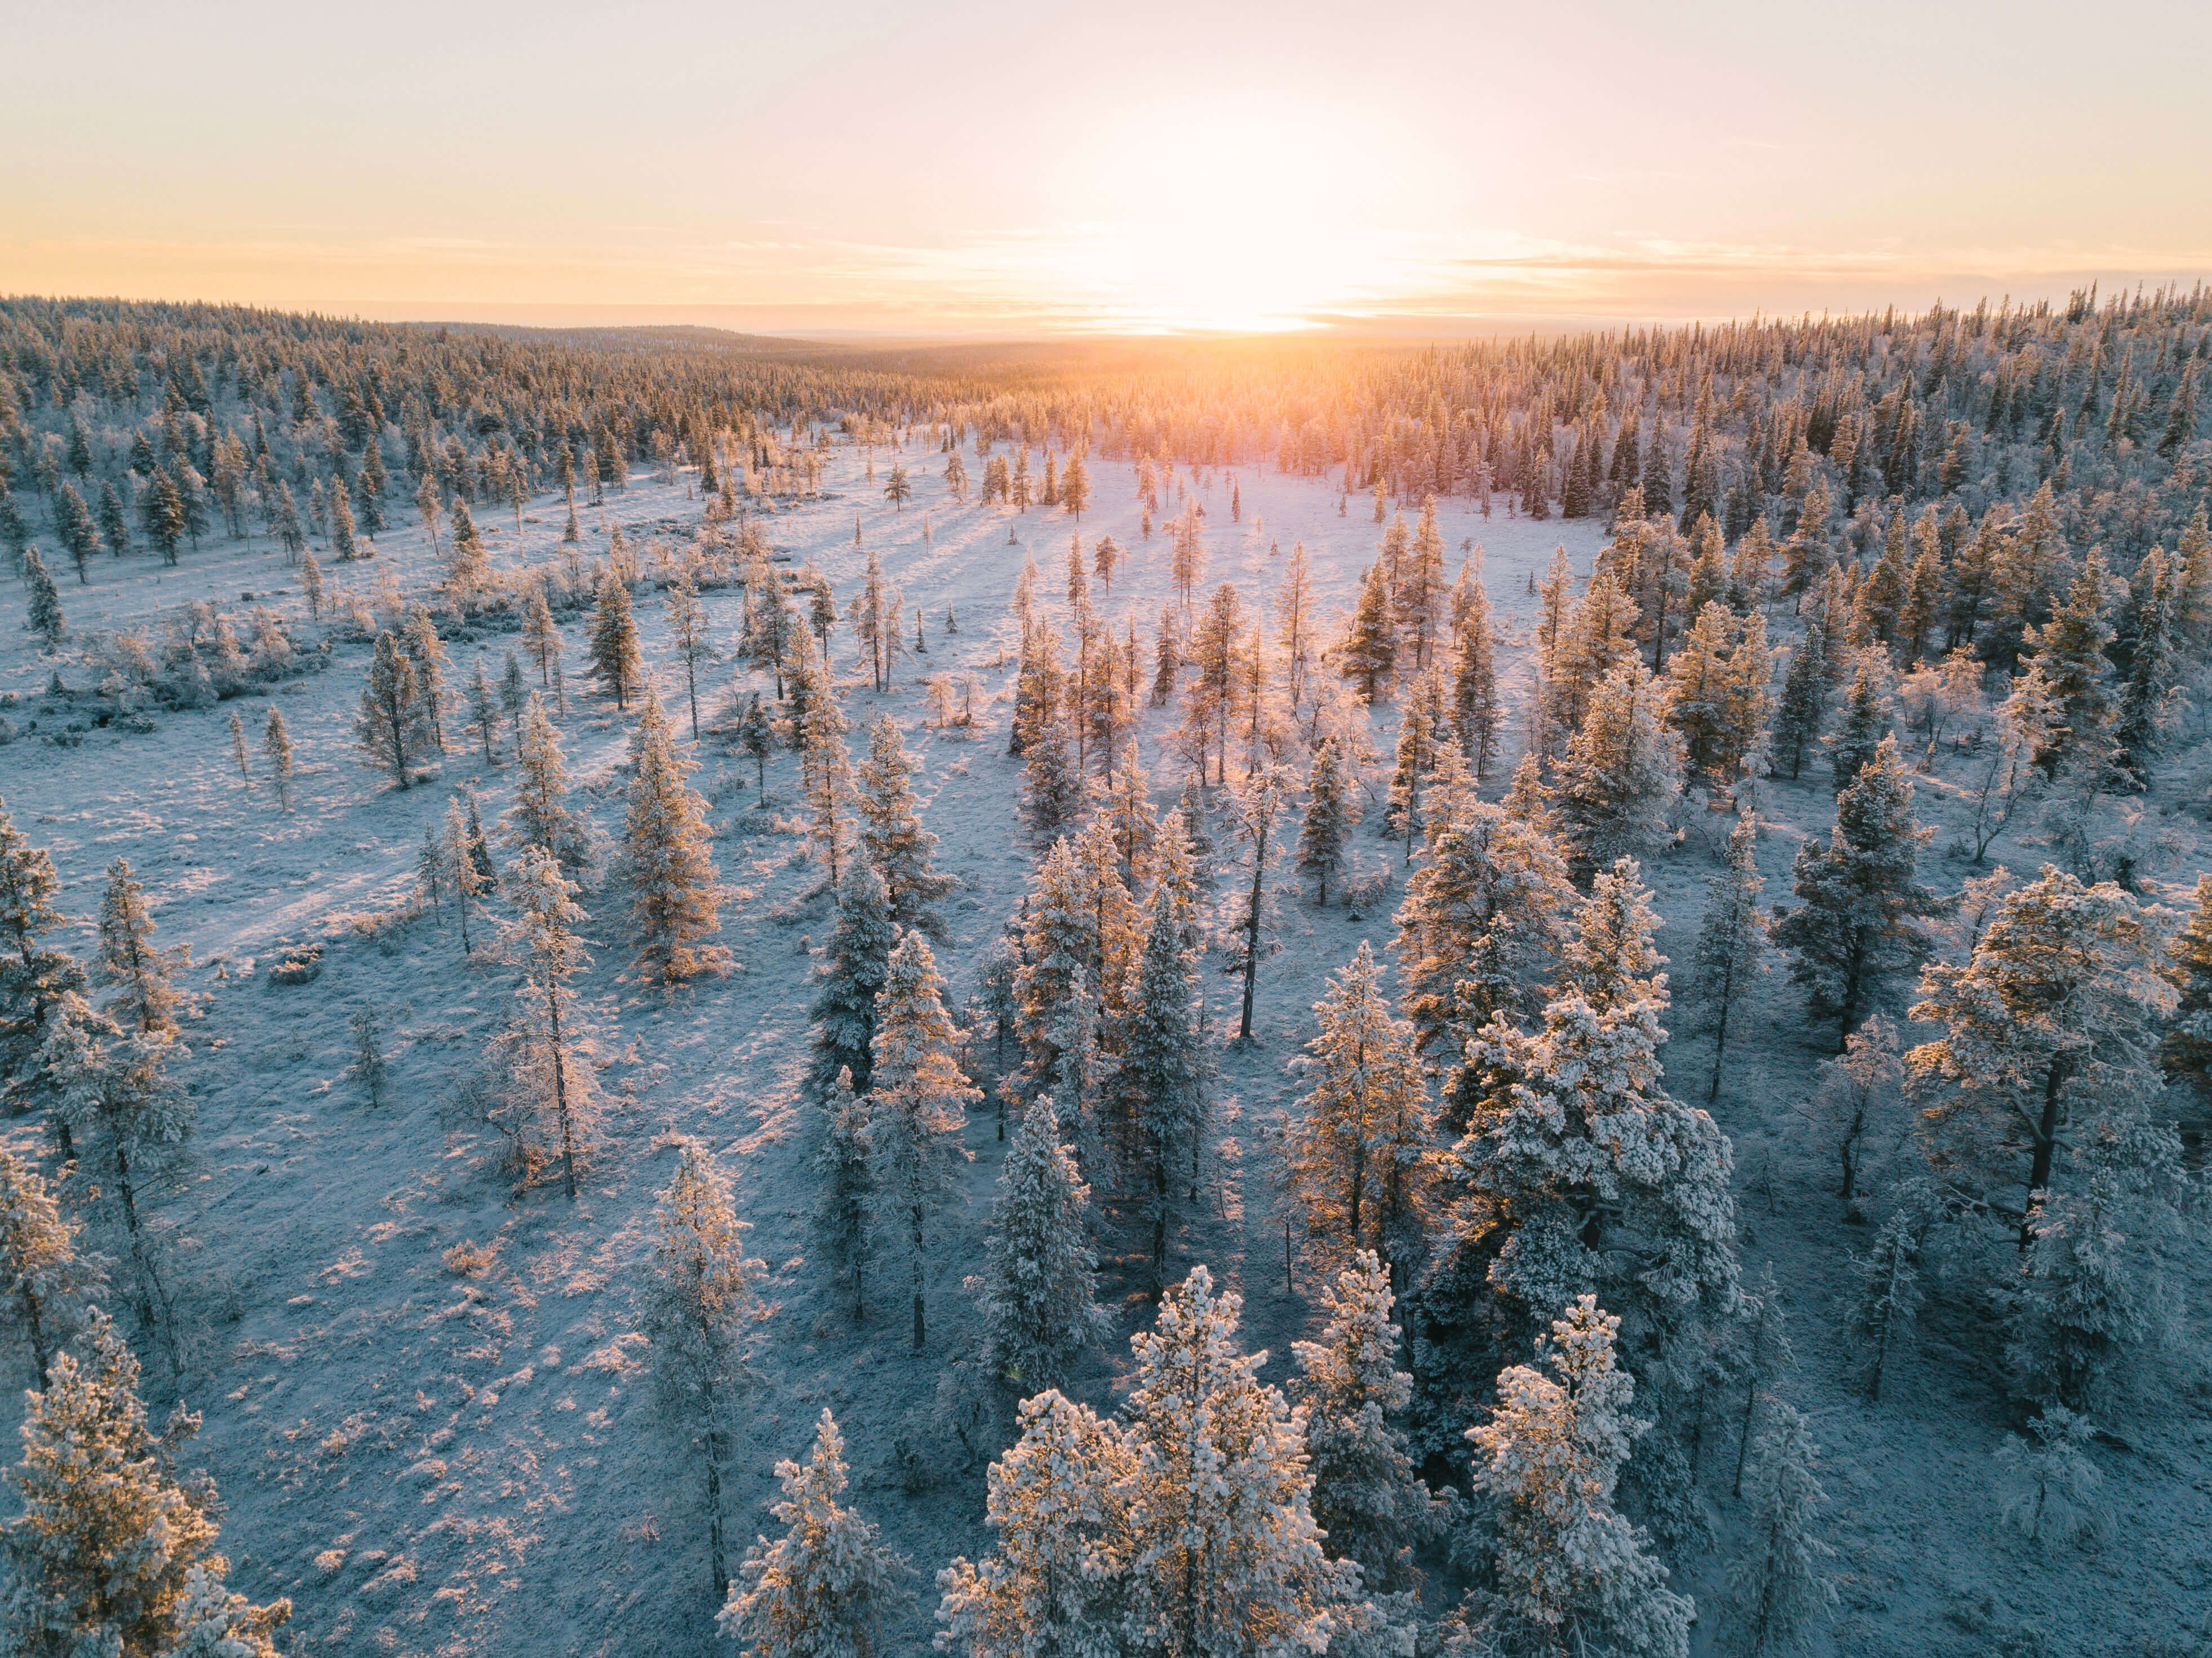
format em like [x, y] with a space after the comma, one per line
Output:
[484, 713]
[1478, 714]
[1777, 1590]
[1366, 1498]
[1258, 800]
[129, 962]
[1358, 1153]
[44, 614]
[851, 976]
[826, 1586]
[541, 940]
[1886, 1301]
[1803, 708]
[918, 1107]
[674, 900]
[612, 650]
[113, 1551]
[1576, 1147]
[1052, 789]
[43, 1280]
[697, 1300]
[1224, 1555]
[892, 833]
[1368, 652]
[428, 653]
[391, 727]
[1038, 1307]
[1731, 949]
[2061, 1004]
[1572, 1574]
[2140, 725]
[1158, 1081]
[825, 767]
[1861, 909]
[1058, 1500]
[277, 747]
[34, 976]
[1869, 718]
[1622, 771]
[687, 630]
[1328, 818]
[841, 1206]
[540, 637]
[541, 816]
[1482, 918]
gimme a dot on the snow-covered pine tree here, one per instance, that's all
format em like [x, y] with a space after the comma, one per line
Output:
[391, 726]
[1158, 1085]
[1369, 650]
[1731, 949]
[1862, 911]
[277, 746]
[1857, 1089]
[687, 631]
[43, 1279]
[1477, 714]
[825, 767]
[1367, 1499]
[514, 692]
[1803, 706]
[540, 816]
[541, 637]
[2061, 1002]
[675, 899]
[826, 1586]
[2068, 658]
[2091, 1291]
[1482, 918]
[104, 1552]
[612, 649]
[428, 652]
[1763, 1327]
[1777, 1589]
[1037, 1278]
[127, 1121]
[32, 976]
[1887, 1300]
[1059, 1501]
[43, 615]
[237, 749]
[1869, 718]
[1259, 801]
[541, 940]
[139, 973]
[462, 877]
[1621, 772]
[1407, 814]
[214, 1622]
[756, 737]
[841, 1208]
[1328, 818]
[917, 1108]
[1576, 1148]
[1223, 1553]
[1053, 791]
[1572, 1574]
[851, 976]
[484, 713]
[696, 1302]
[892, 833]
[2154, 670]
[1359, 1155]
[2049, 1483]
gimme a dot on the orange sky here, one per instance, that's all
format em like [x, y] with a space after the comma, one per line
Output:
[1002, 169]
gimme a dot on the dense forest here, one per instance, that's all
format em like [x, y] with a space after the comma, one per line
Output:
[1330, 836]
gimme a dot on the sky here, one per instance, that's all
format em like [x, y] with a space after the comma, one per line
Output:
[988, 169]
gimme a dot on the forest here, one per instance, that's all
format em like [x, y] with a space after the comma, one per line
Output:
[1532, 998]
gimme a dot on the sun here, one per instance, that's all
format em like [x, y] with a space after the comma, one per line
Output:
[1235, 215]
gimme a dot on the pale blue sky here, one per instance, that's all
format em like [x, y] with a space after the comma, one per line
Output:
[1007, 168]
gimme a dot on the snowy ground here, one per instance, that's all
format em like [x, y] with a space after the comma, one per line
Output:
[431, 1463]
